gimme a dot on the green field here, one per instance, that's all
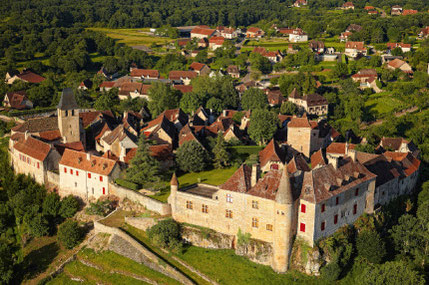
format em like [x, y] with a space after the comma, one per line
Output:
[133, 37]
[382, 104]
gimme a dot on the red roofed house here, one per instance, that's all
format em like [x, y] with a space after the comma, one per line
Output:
[275, 97]
[367, 79]
[253, 32]
[107, 85]
[348, 5]
[32, 157]
[182, 77]
[86, 175]
[133, 90]
[202, 32]
[27, 75]
[424, 33]
[408, 167]
[233, 71]
[273, 56]
[409, 12]
[144, 74]
[299, 3]
[345, 36]
[17, 100]
[402, 46]
[400, 64]
[216, 42]
[353, 49]
[227, 33]
[200, 68]
[399, 145]
[396, 10]
[271, 157]
[313, 104]
[162, 130]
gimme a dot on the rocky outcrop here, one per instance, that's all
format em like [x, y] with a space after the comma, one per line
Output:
[207, 238]
[305, 258]
[257, 251]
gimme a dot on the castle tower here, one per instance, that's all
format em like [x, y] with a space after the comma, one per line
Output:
[174, 187]
[68, 117]
[284, 211]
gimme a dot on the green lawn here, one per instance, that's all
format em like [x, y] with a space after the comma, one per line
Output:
[133, 37]
[382, 104]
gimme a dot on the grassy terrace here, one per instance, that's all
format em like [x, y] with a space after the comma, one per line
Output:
[382, 104]
[133, 37]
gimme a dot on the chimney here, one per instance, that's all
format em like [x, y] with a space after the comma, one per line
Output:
[255, 175]
[125, 114]
[26, 135]
[333, 160]
[352, 153]
[122, 154]
[224, 113]
[88, 156]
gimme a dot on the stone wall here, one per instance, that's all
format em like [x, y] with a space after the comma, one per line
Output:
[141, 223]
[150, 204]
[53, 178]
[207, 238]
[257, 251]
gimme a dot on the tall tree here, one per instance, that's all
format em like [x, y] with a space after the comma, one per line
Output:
[162, 97]
[221, 155]
[192, 156]
[263, 125]
[254, 98]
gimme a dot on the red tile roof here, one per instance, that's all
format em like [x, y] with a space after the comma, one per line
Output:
[33, 148]
[144, 73]
[183, 88]
[107, 84]
[202, 31]
[94, 164]
[179, 74]
[50, 135]
[339, 148]
[254, 30]
[16, 99]
[355, 45]
[217, 40]
[299, 123]
[197, 66]
[239, 181]
[395, 45]
[271, 152]
[409, 12]
[317, 159]
[30, 76]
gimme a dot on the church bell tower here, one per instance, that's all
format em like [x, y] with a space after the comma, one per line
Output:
[68, 117]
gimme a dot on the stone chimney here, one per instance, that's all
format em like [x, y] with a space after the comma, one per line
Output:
[255, 175]
[26, 135]
[352, 153]
[333, 160]
[88, 156]
[224, 113]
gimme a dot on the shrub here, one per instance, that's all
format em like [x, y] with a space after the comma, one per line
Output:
[69, 207]
[331, 271]
[100, 208]
[69, 234]
[127, 184]
[39, 226]
[52, 204]
[166, 234]
[370, 246]
[192, 157]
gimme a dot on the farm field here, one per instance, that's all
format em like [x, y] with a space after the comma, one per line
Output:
[133, 37]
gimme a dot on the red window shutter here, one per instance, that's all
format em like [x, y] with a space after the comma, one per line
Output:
[354, 209]
[302, 227]
[323, 208]
[101, 178]
[104, 191]
[322, 226]
[303, 208]
[89, 175]
[275, 166]
[65, 170]
[77, 173]
[337, 200]
[71, 171]
[38, 166]
[335, 219]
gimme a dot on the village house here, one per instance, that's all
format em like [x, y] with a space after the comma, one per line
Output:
[300, 3]
[398, 145]
[133, 90]
[313, 104]
[118, 141]
[354, 49]
[345, 36]
[402, 46]
[216, 42]
[227, 32]
[367, 79]
[396, 10]
[274, 96]
[303, 135]
[27, 75]
[85, 85]
[85, 175]
[347, 6]
[106, 85]
[273, 56]
[200, 32]
[317, 46]
[424, 33]
[17, 100]
[233, 71]
[182, 77]
[295, 35]
[32, 157]
[253, 32]
[399, 64]
[200, 68]
[144, 74]
[161, 130]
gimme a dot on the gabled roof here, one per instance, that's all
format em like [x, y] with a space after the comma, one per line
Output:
[29, 76]
[254, 30]
[271, 152]
[17, 99]
[120, 133]
[406, 163]
[317, 159]
[356, 45]
[396, 63]
[67, 100]
[299, 123]
[179, 74]
[202, 31]
[239, 181]
[197, 66]
[95, 164]
[144, 73]
[315, 100]
[217, 40]
[33, 148]
[176, 114]
[339, 148]
[38, 125]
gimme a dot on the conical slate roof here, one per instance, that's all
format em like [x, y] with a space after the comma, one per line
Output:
[67, 101]
[284, 193]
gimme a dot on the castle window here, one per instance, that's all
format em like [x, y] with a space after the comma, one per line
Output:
[302, 227]
[337, 200]
[65, 170]
[303, 208]
[205, 209]
[269, 227]
[322, 226]
[255, 205]
[189, 205]
[71, 171]
[255, 222]
[229, 198]
[357, 192]
[335, 219]
[323, 208]
[67, 113]
[228, 214]
[89, 175]
[104, 191]
[354, 209]
[101, 178]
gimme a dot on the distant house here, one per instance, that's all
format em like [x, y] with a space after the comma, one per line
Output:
[347, 6]
[353, 49]
[313, 104]
[253, 32]
[216, 42]
[273, 56]
[396, 10]
[424, 33]
[402, 46]
[203, 43]
[275, 97]
[133, 90]
[182, 77]
[200, 68]
[367, 79]
[85, 85]
[354, 28]
[227, 33]
[106, 85]
[299, 3]
[27, 75]
[345, 36]
[144, 74]
[398, 145]
[200, 32]
[409, 12]
[17, 100]
[295, 35]
[317, 46]
[233, 71]
[373, 12]
[401, 65]
[369, 8]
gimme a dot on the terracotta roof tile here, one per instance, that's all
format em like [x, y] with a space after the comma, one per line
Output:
[94, 164]
[239, 181]
[38, 125]
[179, 74]
[33, 148]
[30, 76]
[271, 152]
[339, 148]
[144, 73]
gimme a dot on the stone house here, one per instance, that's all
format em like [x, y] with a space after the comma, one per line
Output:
[216, 42]
[32, 157]
[182, 77]
[254, 32]
[402, 46]
[317, 46]
[17, 100]
[399, 64]
[144, 73]
[27, 75]
[133, 90]
[398, 145]
[161, 130]
[200, 68]
[201, 32]
[396, 10]
[118, 142]
[313, 104]
[354, 49]
[85, 175]
[303, 135]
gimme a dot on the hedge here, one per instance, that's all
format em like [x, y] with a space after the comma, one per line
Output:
[127, 184]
